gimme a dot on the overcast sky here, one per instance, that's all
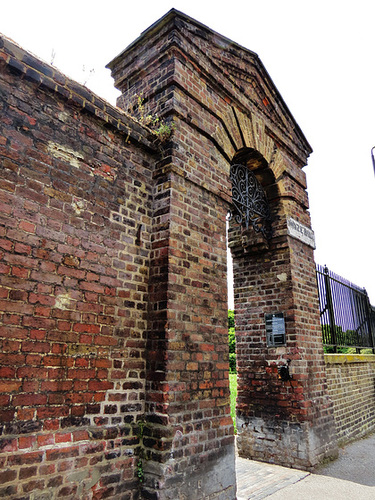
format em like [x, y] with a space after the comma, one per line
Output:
[320, 55]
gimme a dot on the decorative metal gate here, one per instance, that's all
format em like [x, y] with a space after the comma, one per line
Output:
[250, 205]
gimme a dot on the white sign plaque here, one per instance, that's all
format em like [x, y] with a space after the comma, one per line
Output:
[301, 232]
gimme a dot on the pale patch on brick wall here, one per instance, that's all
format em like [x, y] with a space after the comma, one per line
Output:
[78, 206]
[63, 301]
[282, 277]
[64, 153]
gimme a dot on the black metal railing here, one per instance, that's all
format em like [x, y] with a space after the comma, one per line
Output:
[346, 315]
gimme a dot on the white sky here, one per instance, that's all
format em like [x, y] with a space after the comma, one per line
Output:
[320, 55]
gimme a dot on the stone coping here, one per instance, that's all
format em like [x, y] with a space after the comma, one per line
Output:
[335, 359]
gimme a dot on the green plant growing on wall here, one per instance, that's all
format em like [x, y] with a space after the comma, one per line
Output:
[140, 471]
[146, 119]
[162, 130]
[140, 434]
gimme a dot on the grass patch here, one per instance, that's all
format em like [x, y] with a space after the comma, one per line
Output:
[233, 397]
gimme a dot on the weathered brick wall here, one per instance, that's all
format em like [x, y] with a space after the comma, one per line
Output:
[350, 381]
[224, 105]
[122, 320]
[187, 379]
[289, 422]
[76, 201]
[113, 274]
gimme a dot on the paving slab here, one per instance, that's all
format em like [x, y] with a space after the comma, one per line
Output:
[257, 480]
[350, 477]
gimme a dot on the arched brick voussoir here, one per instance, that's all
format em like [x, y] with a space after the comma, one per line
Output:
[232, 129]
[254, 135]
[245, 125]
[223, 140]
[237, 130]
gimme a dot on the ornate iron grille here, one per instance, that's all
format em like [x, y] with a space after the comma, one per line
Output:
[250, 205]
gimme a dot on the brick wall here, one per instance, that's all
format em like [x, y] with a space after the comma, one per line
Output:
[224, 106]
[76, 201]
[350, 381]
[114, 322]
[114, 360]
[289, 422]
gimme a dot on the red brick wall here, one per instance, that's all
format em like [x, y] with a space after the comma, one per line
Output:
[223, 102]
[113, 264]
[187, 377]
[76, 204]
[289, 422]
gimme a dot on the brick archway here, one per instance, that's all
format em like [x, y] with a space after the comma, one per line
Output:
[114, 264]
[226, 108]
[253, 189]
[278, 383]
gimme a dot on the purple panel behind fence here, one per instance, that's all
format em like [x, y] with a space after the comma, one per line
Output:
[346, 315]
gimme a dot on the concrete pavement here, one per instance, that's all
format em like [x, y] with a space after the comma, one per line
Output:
[317, 487]
[351, 476]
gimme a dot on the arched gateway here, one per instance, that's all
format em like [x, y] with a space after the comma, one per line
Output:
[113, 266]
[230, 123]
